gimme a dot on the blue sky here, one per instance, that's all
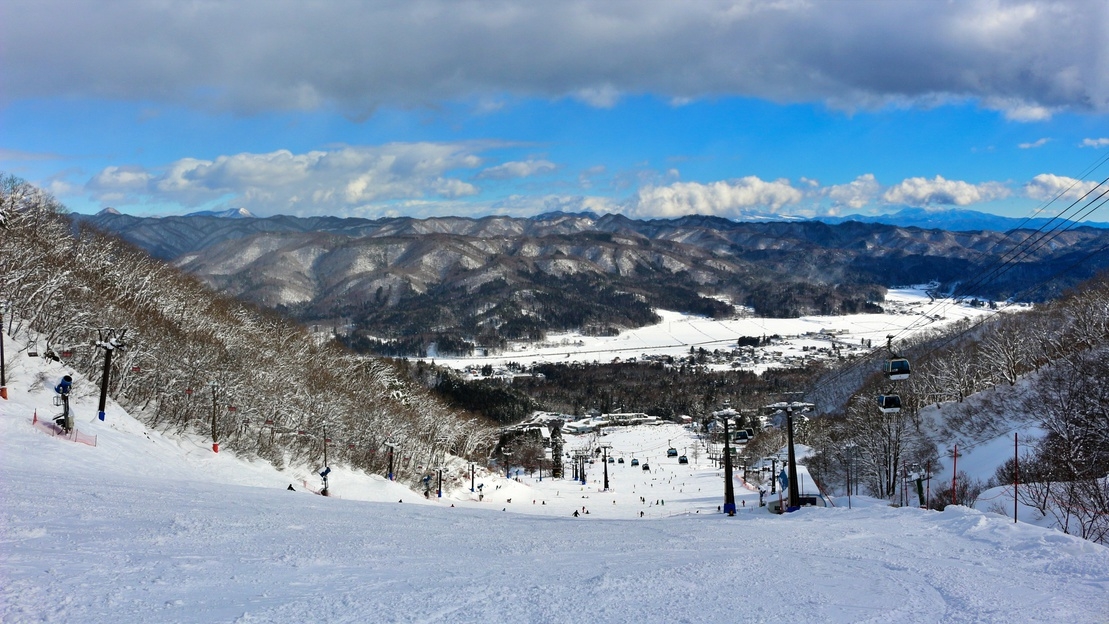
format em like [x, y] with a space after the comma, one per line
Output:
[641, 107]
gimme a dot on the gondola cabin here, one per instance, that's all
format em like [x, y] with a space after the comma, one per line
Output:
[897, 369]
[682, 459]
[671, 452]
[635, 462]
[889, 403]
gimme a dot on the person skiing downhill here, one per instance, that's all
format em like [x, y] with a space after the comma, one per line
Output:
[64, 420]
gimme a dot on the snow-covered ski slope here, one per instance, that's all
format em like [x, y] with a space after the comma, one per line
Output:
[150, 528]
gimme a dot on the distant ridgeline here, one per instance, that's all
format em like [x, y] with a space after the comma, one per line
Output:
[398, 286]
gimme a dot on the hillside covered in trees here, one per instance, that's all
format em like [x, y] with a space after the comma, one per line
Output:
[207, 364]
[1046, 368]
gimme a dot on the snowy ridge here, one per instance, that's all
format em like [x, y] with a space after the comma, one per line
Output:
[147, 527]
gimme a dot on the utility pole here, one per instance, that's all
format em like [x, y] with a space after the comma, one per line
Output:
[4, 306]
[215, 431]
[471, 477]
[326, 467]
[108, 341]
[850, 466]
[390, 446]
[1016, 474]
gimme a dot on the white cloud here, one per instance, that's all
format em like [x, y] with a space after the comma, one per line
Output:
[517, 169]
[724, 198]
[855, 194]
[315, 182]
[1026, 58]
[925, 192]
[1034, 144]
[1048, 186]
[1016, 109]
[1096, 143]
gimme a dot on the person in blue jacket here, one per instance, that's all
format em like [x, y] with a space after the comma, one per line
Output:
[65, 421]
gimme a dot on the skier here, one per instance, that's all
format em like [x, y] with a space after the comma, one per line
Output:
[64, 420]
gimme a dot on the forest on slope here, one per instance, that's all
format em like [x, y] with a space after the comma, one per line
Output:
[202, 363]
[1053, 360]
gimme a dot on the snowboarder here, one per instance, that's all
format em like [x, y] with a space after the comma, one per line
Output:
[64, 420]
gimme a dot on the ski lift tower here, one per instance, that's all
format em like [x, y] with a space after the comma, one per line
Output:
[109, 340]
[604, 448]
[725, 415]
[789, 408]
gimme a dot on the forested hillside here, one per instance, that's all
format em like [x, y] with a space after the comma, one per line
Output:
[1055, 359]
[202, 363]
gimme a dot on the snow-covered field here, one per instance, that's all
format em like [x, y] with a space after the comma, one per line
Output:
[908, 311]
[149, 528]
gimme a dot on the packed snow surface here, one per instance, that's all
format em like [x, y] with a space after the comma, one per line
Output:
[146, 527]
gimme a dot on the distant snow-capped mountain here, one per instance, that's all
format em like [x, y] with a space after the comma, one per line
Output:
[230, 213]
[953, 220]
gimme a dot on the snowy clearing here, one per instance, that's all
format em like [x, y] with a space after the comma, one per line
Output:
[908, 310]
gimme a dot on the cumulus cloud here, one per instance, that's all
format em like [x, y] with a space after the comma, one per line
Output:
[1096, 143]
[1026, 58]
[1034, 144]
[517, 169]
[855, 194]
[724, 198]
[1048, 186]
[939, 191]
[315, 182]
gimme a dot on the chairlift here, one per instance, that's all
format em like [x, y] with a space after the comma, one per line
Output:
[889, 403]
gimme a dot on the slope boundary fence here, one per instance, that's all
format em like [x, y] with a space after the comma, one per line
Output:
[49, 427]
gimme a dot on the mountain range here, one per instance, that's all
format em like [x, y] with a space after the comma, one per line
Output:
[399, 284]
